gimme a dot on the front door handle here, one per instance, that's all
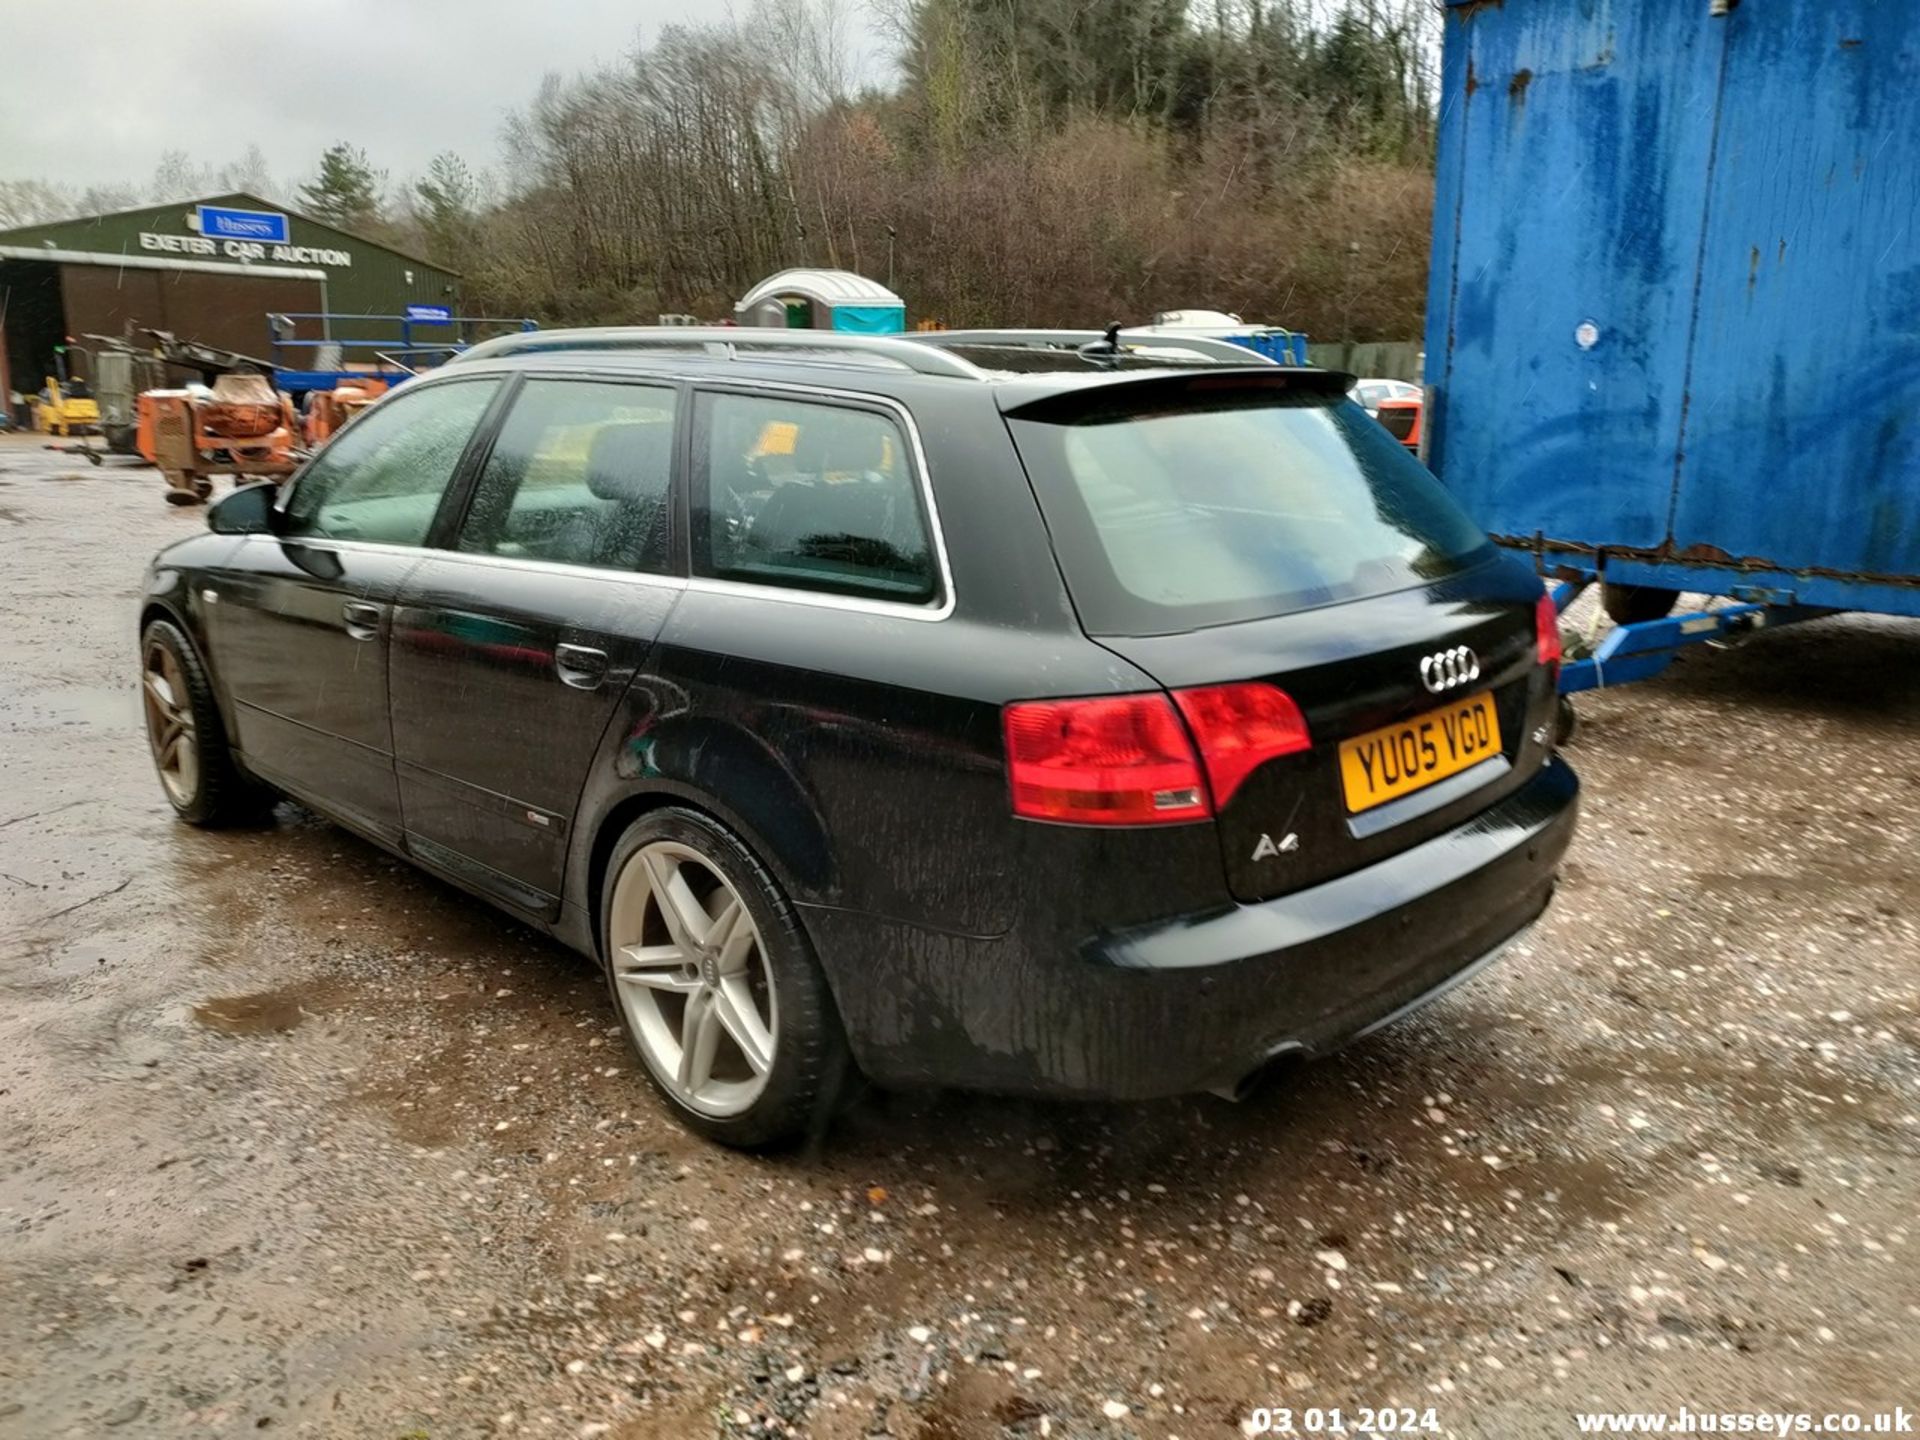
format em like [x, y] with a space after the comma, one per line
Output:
[580, 666]
[362, 620]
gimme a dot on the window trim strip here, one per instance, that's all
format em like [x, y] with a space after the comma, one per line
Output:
[505, 562]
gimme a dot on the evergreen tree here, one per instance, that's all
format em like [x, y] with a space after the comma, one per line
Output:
[1359, 77]
[346, 192]
[447, 203]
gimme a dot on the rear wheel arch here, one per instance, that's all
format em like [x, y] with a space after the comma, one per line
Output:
[704, 767]
[626, 811]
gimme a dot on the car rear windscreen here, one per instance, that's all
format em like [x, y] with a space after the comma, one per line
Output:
[1197, 502]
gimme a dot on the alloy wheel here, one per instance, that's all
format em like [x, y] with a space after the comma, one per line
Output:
[693, 978]
[170, 729]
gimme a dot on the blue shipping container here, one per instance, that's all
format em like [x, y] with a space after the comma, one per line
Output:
[1674, 317]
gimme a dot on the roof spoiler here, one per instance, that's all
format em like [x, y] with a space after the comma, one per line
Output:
[1187, 349]
[1129, 391]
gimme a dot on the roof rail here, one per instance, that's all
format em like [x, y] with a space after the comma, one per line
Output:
[730, 342]
[1200, 347]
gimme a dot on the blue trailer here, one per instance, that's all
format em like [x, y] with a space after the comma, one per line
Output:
[425, 337]
[1673, 325]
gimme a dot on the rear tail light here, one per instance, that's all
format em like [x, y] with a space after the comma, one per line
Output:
[1239, 728]
[1546, 631]
[1127, 759]
[1122, 760]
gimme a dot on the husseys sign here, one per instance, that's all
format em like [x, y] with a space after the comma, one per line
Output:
[243, 235]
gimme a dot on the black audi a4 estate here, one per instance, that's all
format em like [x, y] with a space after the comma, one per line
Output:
[979, 711]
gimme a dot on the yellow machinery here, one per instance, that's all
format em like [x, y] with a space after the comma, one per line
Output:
[59, 410]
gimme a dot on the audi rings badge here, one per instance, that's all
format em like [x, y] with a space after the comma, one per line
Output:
[1450, 669]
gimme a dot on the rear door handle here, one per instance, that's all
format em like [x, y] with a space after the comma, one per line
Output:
[362, 620]
[580, 666]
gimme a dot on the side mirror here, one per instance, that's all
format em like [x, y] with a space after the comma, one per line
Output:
[246, 511]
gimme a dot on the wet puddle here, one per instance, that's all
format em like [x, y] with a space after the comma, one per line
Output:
[271, 1012]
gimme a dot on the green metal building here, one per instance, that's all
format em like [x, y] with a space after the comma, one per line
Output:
[211, 270]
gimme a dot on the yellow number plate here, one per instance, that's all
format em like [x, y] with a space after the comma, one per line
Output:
[1385, 764]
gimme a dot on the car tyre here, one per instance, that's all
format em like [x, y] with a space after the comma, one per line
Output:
[735, 1027]
[1566, 721]
[197, 771]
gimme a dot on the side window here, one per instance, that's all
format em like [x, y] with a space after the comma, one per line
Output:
[578, 476]
[382, 477]
[810, 496]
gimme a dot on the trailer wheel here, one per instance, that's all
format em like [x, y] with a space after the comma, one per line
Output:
[1633, 604]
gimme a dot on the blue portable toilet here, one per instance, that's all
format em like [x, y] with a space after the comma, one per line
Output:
[823, 300]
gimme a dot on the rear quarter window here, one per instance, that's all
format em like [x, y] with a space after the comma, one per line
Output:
[1181, 505]
[801, 495]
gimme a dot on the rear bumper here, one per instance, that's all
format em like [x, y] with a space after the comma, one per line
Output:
[1197, 1002]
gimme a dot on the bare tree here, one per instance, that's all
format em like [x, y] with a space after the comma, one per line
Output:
[180, 177]
[1037, 162]
[250, 174]
[33, 202]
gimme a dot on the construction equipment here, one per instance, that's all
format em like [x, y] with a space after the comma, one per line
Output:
[64, 406]
[239, 426]
[120, 374]
[208, 360]
[328, 410]
[80, 448]
[228, 420]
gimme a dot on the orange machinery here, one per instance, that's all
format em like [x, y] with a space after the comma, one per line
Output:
[239, 426]
[328, 410]
[1402, 419]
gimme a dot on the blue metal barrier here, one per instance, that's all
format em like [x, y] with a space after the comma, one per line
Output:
[391, 358]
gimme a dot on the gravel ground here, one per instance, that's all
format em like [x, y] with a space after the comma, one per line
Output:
[295, 1140]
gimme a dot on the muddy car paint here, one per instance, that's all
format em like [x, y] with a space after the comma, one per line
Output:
[1332, 661]
[856, 748]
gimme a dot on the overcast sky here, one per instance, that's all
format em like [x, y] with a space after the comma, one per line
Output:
[405, 79]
